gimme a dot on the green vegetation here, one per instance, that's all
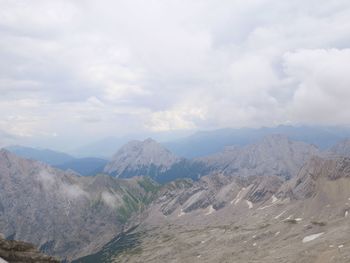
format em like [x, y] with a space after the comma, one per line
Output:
[148, 185]
[133, 203]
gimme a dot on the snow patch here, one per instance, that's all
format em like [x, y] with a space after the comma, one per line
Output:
[298, 219]
[210, 211]
[278, 216]
[312, 237]
[277, 233]
[3, 261]
[250, 204]
[238, 198]
[264, 207]
[288, 218]
[340, 246]
[346, 213]
[274, 199]
[181, 213]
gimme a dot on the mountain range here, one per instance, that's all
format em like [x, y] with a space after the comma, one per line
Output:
[274, 200]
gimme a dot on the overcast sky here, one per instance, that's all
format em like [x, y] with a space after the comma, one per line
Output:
[73, 71]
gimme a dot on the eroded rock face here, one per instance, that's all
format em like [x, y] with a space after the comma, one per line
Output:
[317, 170]
[218, 191]
[18, 251]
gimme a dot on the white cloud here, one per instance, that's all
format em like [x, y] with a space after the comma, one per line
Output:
[87, 69]
[322, 85]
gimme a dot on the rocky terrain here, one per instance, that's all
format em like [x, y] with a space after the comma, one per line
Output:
[62, 213]
[18, 251]
[240, 206]
[256, 219]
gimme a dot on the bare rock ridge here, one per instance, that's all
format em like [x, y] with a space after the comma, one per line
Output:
[273, 155]
[64, 214]
[18, 251]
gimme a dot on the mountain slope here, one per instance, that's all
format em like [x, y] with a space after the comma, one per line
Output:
[251, 219]
[64, 214]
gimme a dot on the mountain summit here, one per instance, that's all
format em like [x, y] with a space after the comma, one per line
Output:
[137, 158]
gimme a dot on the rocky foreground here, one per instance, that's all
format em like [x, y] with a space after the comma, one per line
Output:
[21, 252]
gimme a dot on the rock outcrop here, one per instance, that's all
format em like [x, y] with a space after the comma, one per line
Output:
[13, 251]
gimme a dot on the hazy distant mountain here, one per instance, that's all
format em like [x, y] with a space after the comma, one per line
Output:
[44, 155]
[85, 166]
[64, 214]
[272, 155]
[104, 148]
[208, 142]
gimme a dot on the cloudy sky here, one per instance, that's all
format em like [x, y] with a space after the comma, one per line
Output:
[80, 70]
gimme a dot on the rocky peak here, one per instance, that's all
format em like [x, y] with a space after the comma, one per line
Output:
[140, 155]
